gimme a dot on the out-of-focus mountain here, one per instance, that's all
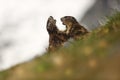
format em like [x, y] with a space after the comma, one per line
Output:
[97, 14]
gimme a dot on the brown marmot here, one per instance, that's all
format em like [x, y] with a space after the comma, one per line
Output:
[73, 28]
[56, 37]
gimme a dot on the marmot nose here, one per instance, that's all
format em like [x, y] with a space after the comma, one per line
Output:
[50, 17]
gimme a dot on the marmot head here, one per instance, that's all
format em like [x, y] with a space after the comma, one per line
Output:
[51, 24]
[51, 21]
[68, 20]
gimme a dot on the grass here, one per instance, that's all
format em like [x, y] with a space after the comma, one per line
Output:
[96, 57]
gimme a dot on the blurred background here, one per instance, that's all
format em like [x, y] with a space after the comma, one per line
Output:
[23, 33]
[24, 39]
[97, 14]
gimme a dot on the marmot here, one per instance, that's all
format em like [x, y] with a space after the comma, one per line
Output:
[73, 28]
[56, 37]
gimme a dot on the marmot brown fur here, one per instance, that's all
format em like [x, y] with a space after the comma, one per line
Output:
[57, 38]
[73, 28]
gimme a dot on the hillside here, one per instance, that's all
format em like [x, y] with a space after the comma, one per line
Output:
[94, 57]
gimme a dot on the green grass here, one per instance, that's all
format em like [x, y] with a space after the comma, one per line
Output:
[96, 57]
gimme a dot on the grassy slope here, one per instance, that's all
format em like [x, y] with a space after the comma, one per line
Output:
[96, 57]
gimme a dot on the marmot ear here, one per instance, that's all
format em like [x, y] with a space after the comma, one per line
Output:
[74, 20]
